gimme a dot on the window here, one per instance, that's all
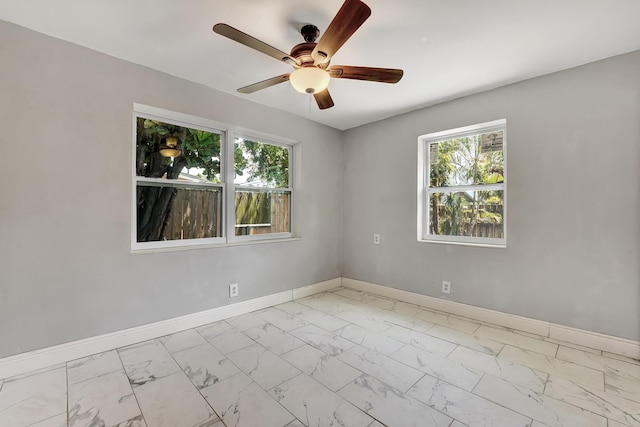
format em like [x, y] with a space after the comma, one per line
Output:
[196, 183]
[262, 191]
[462, 185]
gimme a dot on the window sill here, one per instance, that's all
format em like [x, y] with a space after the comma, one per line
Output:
[478, 245]
[213, 245]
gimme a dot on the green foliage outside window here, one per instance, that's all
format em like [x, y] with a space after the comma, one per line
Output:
[471, 161]
[262, 164]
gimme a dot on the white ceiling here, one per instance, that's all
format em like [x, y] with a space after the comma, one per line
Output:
[447, 48]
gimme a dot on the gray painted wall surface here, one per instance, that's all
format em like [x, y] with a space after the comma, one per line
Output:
[66, 270]
[573, 201]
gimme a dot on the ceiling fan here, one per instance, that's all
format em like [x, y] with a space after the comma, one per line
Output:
[312, 72]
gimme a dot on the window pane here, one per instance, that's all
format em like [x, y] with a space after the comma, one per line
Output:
[475, 159]
[470, 214]
[171, 213]
[168, 151]
[261, 165]
[262, 212]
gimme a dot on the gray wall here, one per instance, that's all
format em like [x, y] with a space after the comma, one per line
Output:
[573, 201]
[66, 269]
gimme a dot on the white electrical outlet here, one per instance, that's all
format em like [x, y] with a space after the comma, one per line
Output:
[376, 239]
[233, 290]
[446, 287]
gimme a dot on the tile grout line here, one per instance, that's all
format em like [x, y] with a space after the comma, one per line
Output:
[546, 381]
[585, 389]
[185, 374]
[506, 407]
[424, 374]
[475, 331]
[130, 386]
[545, 395]
[451, 352]
[422, 377]
[476, 385]
[478, 396]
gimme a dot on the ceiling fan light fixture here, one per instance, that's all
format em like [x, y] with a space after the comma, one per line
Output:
[309, 80]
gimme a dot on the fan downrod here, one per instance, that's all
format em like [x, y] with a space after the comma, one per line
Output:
[310, 33]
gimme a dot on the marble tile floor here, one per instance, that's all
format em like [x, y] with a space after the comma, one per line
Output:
[339, 358]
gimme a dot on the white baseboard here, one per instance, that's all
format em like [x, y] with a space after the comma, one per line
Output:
[50, 356]
[305, 291]
[609, 343]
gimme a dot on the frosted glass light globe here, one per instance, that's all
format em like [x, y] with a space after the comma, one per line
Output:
[309, 79]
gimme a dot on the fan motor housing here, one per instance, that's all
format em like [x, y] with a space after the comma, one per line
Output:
[310, 33]
[302, 52]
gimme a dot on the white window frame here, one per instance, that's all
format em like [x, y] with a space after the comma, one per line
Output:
[228, 135]
[424, 189]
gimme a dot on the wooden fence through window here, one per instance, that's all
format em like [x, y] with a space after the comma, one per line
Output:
[195, 215]
[198, 214]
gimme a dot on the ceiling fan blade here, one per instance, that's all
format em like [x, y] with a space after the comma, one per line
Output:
[254, 43]
[349, 18]
[384, 75]
[264, 84]
[323, 99]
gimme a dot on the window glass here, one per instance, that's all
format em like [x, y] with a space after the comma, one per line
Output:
[474, 159]
[262, 212]
[260, 164]
[176, 168]
[260, 167]
[164, 150]
[191, 213]
[468, 213]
